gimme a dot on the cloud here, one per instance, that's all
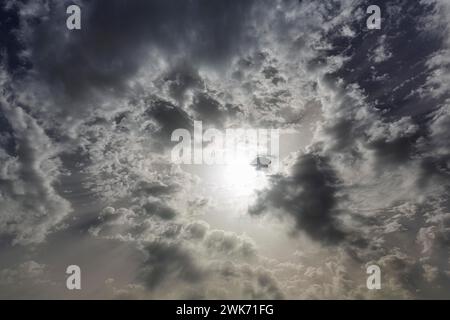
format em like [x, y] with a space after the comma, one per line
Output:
[86, 119]
[27, 280]
[164, 262]
[248, 282]
[176, 252]
[28, 270]
[308, 195]
[105, 54]
[31, 206]
[225, 244]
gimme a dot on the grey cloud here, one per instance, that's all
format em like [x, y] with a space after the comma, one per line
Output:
[141, 224]
[380, 141]
[196, 229]
[147, 188]
[229, 244]
[393, 143]
[308, 195]
[436, 148]
[27, 279]
[159, 208]
[181, 252]
[265, 287]
[247, 282]
[169, 118]
[180, 80]
[31, 206]
[168, 262]
[410, 278]
[209, 110]
[116, 38]
[26, 271]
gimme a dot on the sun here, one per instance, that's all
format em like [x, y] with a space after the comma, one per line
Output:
[240, 178]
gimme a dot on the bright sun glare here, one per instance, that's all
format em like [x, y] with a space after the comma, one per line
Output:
[242, 179]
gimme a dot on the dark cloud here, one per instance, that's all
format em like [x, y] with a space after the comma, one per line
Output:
[196, 230]
[169, 118]
[10, 45]
[265, 287]
[308, 195]
[117, 36]
[159, 208]
[156, 189]
[405, 44]
[168, 262]
[209, 110]
[181, 79]
[392, 68]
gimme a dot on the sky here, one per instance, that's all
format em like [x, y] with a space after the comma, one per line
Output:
[360, 177]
